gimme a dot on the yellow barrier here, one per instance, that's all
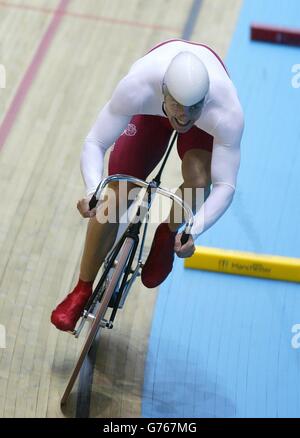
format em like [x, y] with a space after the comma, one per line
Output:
[245, 263]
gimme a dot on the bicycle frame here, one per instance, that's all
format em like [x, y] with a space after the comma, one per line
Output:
[132, 231]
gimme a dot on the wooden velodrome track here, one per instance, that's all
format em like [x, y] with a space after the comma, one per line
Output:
[61, 67]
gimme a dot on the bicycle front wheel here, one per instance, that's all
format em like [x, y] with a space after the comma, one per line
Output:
[120, 267]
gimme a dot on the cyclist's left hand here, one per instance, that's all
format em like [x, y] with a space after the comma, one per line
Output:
[186, 250]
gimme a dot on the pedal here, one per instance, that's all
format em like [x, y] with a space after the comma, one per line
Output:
[85, 317]
[103, 323]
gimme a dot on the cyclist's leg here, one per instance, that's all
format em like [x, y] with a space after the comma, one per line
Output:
[66, 314]
[195, 149]
[195, 189]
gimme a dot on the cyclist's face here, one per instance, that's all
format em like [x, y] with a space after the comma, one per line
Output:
[181, 117]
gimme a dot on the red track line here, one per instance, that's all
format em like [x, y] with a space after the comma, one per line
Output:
[26, 8]
[92, 17]
[31, 72]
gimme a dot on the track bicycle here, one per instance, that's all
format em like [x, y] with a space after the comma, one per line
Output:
[121, 266]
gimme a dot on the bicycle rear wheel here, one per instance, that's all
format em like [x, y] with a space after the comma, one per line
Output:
[99, 315]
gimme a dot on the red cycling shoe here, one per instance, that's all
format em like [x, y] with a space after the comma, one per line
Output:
[67, 313]
[160, 259]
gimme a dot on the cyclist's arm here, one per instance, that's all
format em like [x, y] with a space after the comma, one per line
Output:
[224, 169]
[111, 122]
[107, 128]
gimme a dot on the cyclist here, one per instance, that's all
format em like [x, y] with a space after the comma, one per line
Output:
[178, 85]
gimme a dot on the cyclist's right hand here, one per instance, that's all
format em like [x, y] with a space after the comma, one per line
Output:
[84, 209]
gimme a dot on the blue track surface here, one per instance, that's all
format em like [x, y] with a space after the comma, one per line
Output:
[220, 345]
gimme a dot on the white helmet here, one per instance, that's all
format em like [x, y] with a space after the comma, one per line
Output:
[187, 79]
